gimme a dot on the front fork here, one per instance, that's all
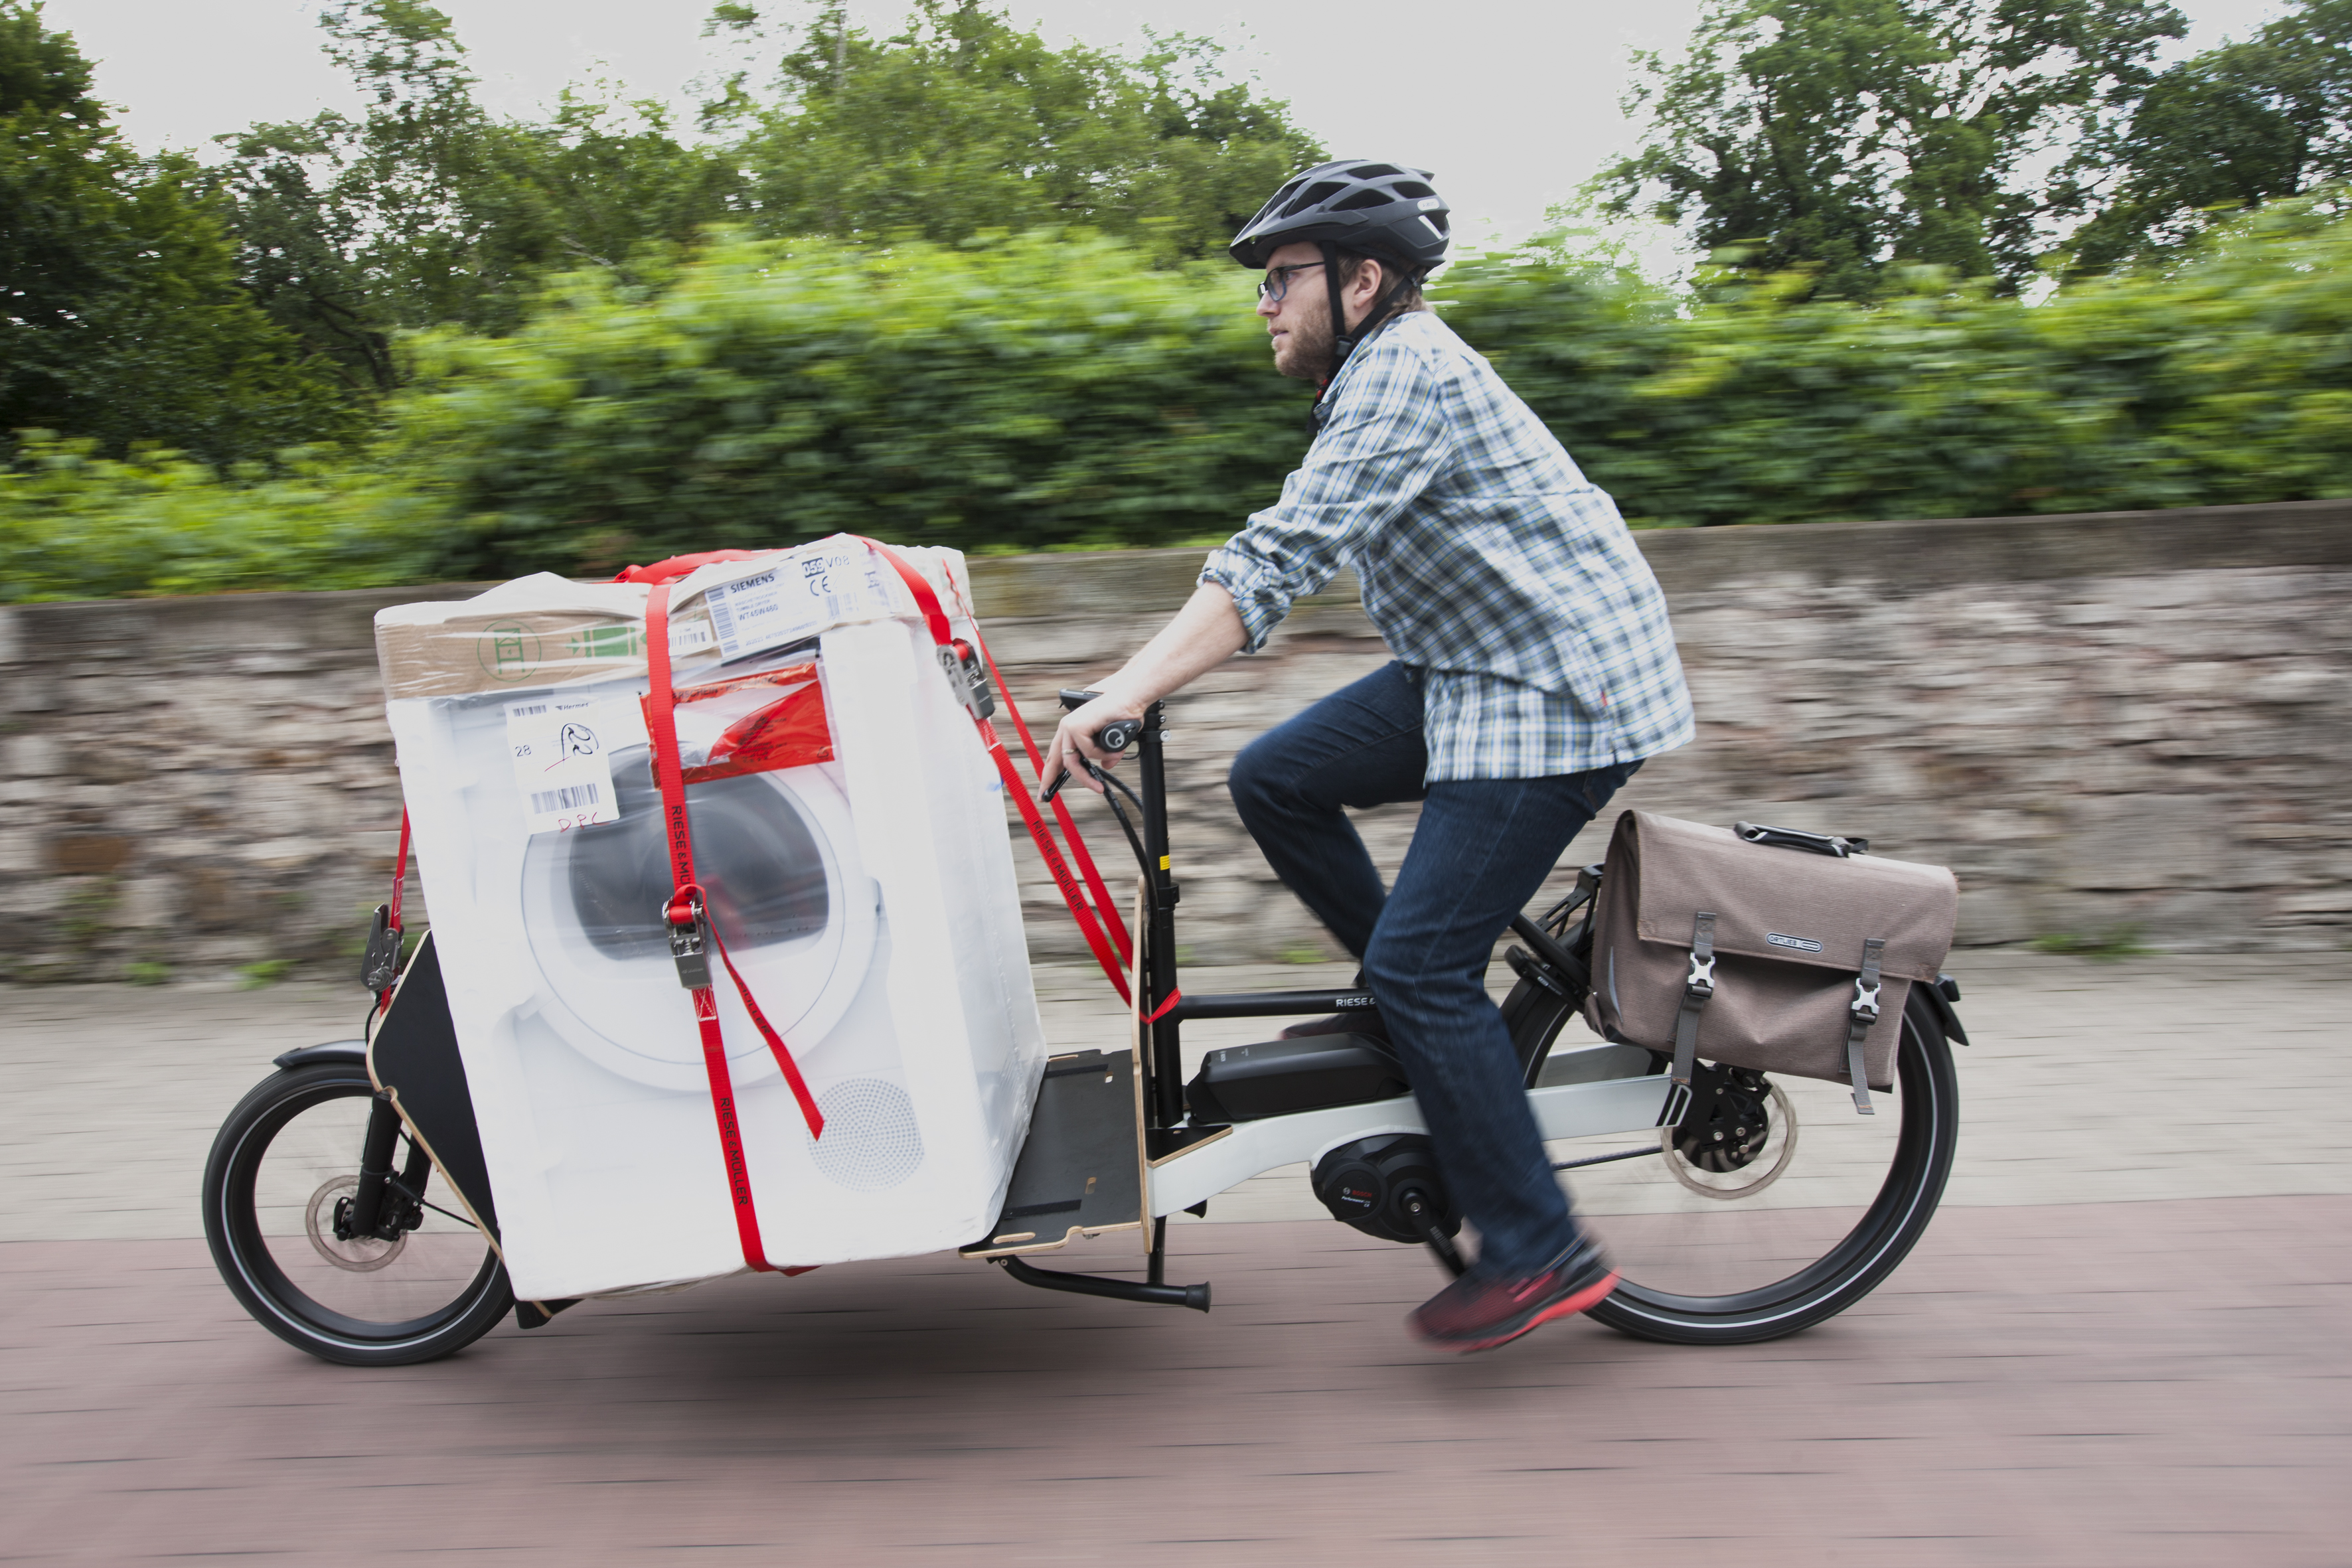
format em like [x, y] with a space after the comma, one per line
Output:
[369, 1214]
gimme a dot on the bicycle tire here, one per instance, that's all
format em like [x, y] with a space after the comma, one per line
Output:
[254, 1275]
[1846, 1271]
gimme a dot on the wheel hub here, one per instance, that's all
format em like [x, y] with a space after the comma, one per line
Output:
[327, 1218]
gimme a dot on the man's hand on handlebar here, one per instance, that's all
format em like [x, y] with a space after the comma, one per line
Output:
[1078, 739]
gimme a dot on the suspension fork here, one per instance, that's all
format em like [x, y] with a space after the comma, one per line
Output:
[1166, 1103]
[376, 1165]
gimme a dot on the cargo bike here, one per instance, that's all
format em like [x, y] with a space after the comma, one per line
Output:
[349, 1205]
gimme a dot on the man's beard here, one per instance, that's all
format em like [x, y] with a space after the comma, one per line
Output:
[1309, 353]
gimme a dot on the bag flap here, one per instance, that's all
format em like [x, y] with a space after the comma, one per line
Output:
[1781, 904]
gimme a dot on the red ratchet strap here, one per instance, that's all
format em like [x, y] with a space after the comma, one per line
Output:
[690, 927]
[1164, 1008]
[391, 911]
[1113, 961]
[1103, 900]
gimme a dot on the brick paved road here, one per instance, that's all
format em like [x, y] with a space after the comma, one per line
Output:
[2055, 1376]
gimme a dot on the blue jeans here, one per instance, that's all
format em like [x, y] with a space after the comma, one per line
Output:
[1482, 850]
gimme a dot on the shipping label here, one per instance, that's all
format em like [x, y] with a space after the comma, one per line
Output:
[796, 598]
[563, 762]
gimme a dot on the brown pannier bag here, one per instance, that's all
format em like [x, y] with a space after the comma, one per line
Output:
[1740, 947]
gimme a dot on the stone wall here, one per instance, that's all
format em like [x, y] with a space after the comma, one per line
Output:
[2115, 726]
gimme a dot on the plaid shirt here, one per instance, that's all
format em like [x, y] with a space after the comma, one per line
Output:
[1486, 558]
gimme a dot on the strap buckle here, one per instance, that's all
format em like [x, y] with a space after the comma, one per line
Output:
[1701, 981]
[1865, 1000]
[967, 677]
[689, 937]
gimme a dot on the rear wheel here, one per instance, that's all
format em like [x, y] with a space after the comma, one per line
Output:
[283, 1165]
[1804, 1221]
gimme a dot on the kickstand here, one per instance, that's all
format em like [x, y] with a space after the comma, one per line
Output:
[1424, 1220]
[1158, 1262]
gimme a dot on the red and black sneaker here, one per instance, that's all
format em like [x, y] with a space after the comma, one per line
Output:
[1477, 1314]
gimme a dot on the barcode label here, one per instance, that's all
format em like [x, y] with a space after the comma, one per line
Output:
[569, 799]
[563, 762]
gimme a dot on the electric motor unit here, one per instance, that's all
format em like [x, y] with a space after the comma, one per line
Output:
[1366, 1184]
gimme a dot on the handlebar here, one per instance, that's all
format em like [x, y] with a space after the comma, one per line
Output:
[1114, 737]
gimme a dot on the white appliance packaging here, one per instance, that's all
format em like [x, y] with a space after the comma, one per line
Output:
[849, 829]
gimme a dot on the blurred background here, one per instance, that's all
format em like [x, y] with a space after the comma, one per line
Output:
[1977, 377]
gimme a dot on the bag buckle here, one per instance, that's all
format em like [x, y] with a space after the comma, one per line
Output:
[689, 937]
[1865, 1000]
[1701, 981]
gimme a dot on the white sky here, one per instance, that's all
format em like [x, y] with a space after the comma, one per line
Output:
[1512, 102]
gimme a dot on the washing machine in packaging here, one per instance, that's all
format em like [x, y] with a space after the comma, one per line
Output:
[849, 829]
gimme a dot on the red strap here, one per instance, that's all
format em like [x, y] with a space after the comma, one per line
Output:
[1113, 961]
[661, 726]
[1103, 900]
[1162, 1010]
[400, 868]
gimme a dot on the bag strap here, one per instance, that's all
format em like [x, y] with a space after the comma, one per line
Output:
[692, 936]
[1699, 987]
[1864, 1016]
[973, 695]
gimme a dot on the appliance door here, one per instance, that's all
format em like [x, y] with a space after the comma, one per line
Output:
[777, 859]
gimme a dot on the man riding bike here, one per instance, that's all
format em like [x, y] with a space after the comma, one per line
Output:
[1535, 671]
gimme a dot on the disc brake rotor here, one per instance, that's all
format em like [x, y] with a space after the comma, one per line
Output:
[1748, 1168]
[360, 1255]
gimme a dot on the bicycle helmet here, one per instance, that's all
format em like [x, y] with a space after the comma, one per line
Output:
[1372, 209]
[1381, 210]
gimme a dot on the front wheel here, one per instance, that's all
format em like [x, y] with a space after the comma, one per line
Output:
[284, 1163]
[1804, 1230]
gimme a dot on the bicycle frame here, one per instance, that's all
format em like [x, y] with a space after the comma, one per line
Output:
[1247, 1148]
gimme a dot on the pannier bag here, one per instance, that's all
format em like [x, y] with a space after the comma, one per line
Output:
[1763, 948]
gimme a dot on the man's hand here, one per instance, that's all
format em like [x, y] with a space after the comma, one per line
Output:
[1205, 633]
[1074, 743]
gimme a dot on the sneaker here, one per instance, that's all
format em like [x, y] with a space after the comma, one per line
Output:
[1477, 1314]
[1366, 1022]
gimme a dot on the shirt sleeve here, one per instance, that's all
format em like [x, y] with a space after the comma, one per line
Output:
[1386, 438]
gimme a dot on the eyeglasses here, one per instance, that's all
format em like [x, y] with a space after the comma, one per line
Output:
[1278, 280]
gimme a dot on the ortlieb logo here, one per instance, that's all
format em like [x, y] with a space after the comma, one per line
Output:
[1802, 944]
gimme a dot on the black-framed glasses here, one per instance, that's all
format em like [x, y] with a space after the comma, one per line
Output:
[1276, 282]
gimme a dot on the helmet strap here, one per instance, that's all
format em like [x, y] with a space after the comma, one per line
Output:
[1343, 341]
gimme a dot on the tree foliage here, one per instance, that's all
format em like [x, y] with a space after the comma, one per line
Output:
[429, 210]
[2236, 126]
[1858, 137]
[962, 123]
[1035, 393]
[121, 317]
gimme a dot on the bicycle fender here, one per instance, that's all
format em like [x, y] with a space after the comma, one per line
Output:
[353, 1051]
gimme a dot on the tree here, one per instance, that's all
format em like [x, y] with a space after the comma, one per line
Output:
[2233, 127]
[429, 210]
[964, 123]
[123, 322]
[1852, 136]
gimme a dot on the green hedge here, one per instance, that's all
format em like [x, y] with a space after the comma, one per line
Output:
[1035, 393]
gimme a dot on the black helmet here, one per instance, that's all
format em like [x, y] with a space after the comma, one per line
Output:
[1371, 209]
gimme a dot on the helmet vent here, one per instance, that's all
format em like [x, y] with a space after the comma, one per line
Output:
[1374, 172]
[1412, 188]
[1362, 199]
[1315, 194]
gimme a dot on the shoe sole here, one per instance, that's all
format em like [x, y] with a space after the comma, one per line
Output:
[1568, 1306]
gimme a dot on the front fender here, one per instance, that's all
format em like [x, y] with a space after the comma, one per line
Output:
[352, 1051]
